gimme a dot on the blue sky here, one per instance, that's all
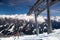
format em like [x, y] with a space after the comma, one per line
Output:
[54, 10]
[22, 6]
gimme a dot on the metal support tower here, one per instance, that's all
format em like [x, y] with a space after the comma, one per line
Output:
[47, 4]
[49, 27]
[37, 28]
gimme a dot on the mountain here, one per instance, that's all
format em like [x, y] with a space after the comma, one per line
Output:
[25, 25]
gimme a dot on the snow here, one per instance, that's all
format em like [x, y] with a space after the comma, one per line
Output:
[40, 19]
[55, 35]
[57, 18]
[1, 25]
[11, 30]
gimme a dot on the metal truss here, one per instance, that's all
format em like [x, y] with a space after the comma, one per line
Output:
[39, 7]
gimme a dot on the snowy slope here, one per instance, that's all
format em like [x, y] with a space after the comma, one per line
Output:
[52, 36]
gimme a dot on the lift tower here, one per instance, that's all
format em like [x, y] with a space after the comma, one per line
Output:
[48, 3]
[49, 27]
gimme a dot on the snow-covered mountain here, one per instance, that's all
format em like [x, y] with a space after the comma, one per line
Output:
[11, 24]
[31, 17]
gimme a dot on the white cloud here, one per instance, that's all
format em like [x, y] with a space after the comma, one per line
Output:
[24, 17]
[40, 19]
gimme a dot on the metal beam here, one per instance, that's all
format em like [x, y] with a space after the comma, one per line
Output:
[34, 7]
[49, 27]
[37, 28]
[50, 4]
